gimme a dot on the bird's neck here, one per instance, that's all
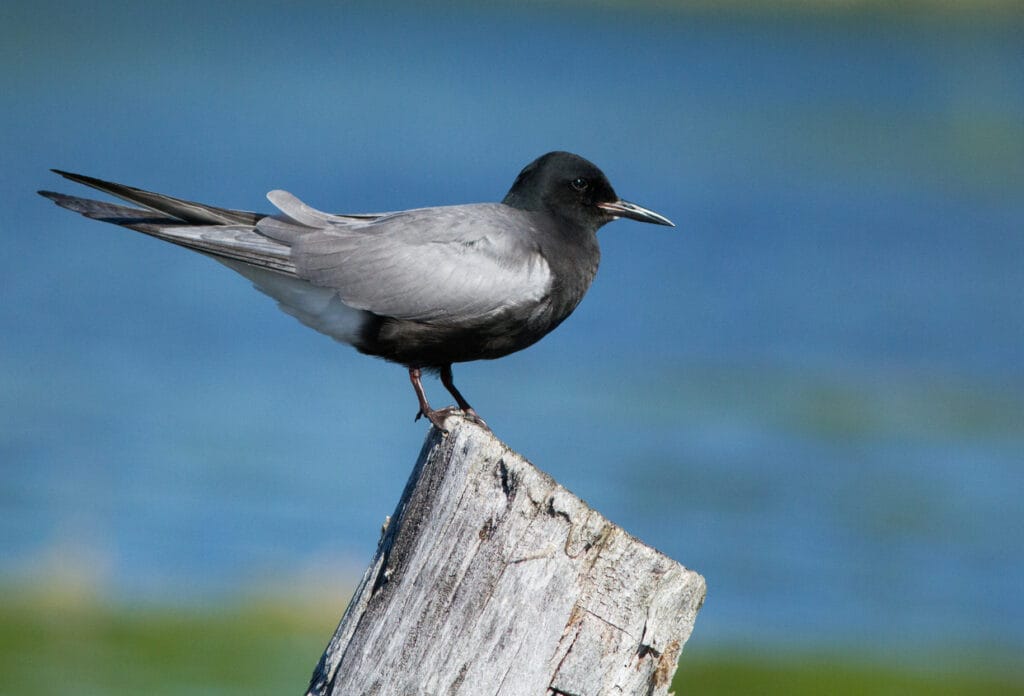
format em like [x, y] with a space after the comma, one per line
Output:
[573, 255]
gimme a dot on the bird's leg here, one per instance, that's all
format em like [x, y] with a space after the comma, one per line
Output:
[435, 417]
[449, 384]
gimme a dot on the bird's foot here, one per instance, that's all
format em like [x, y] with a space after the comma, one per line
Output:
[471, 415]
[438, 417]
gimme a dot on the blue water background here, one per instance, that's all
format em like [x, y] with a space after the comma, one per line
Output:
[811, 391]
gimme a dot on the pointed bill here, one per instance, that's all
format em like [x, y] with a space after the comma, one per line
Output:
[633, 211]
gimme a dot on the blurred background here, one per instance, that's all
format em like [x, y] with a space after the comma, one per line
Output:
[811, 391]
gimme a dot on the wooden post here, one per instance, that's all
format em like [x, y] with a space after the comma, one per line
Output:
[493, 579]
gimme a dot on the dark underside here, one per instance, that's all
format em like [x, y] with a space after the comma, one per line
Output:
[431, 347]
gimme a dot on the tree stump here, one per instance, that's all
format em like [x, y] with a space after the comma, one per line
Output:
[491, 578]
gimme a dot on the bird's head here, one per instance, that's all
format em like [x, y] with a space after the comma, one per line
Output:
[575, 190]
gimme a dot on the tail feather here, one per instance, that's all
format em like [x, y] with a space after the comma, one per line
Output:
[147, 221]
[186, 211]
[236, 242]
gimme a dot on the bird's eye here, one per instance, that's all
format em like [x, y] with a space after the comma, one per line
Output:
[580, 184]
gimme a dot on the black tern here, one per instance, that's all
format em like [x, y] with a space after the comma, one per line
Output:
[424, 288]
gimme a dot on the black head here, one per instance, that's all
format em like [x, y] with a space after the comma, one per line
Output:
[574, 190]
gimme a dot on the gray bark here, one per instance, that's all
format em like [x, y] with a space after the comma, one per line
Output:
[493, 579]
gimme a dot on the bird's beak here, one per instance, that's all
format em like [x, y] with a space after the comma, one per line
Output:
[634, 212]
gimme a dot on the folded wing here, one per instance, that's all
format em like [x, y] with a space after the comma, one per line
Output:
[451, 266]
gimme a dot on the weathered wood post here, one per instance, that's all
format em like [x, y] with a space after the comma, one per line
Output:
[493, 579]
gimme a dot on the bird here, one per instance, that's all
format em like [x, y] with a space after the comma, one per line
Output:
[424, 288]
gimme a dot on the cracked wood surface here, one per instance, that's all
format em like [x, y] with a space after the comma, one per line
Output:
[493, 579]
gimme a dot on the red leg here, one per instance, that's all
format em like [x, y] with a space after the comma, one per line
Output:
[449, 384]
[421, 396]
[436, 417]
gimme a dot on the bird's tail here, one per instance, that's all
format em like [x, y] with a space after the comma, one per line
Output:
[219, 232]
[187, 212]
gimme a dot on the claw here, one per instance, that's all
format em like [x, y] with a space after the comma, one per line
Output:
[437, 417]
[472, 416]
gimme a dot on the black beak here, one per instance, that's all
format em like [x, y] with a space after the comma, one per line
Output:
[634, 212]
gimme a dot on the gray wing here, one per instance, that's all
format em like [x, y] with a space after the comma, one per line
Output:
[451, 266]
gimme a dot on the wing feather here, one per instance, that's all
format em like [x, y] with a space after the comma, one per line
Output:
[454, 266]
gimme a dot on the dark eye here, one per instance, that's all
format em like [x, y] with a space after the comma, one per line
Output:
[580, 184]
